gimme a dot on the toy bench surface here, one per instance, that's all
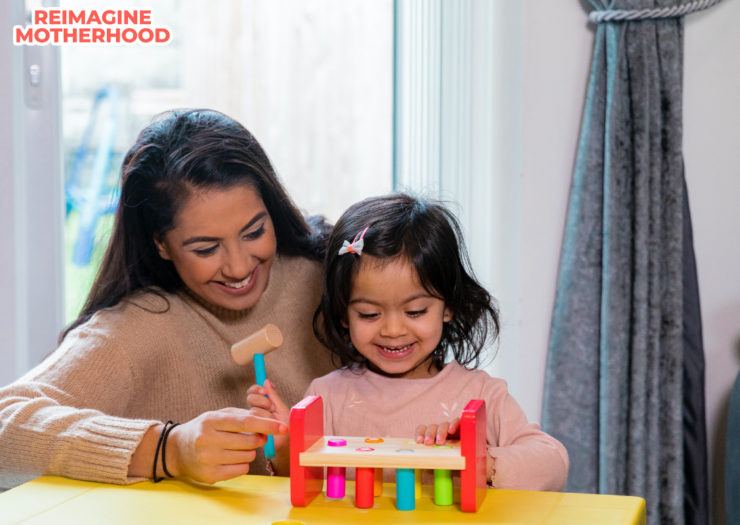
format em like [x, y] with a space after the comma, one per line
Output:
[390, 453]
[310, 452]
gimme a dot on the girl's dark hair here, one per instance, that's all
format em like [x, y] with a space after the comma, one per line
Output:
[180, 151]
[428, 235]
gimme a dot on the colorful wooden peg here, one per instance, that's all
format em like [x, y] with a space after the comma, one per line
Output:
[405, 494]
[378, 485]
[364, 490]
[336, 476]
[442, 487]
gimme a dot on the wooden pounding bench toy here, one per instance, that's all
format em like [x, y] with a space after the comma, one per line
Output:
[254, 348]
[311, 451]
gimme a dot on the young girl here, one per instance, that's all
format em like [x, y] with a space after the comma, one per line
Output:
[206, 249]
[404, 316]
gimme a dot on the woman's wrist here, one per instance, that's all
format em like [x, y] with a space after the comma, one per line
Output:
[140, 465]
[142, 460]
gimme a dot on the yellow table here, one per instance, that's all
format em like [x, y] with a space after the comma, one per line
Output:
[264, 500]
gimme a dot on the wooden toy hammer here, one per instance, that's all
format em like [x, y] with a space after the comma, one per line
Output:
[254, 348]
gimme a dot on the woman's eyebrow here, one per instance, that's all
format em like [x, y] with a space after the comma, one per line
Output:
[252, 221]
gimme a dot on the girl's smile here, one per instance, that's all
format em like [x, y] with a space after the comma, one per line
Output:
[392, 320]
[223, 245]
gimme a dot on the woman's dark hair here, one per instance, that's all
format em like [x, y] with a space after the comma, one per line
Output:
[180, 151]
[426, 234]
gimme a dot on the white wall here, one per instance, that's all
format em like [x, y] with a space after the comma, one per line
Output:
[557, 58]
[712, 158]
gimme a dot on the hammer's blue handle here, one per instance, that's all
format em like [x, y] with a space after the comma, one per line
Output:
[261, 375]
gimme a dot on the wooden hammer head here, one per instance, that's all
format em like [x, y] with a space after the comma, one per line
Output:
[260, 342]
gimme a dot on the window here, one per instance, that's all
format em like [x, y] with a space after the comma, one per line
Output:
[458, 88]
[350, 98]
[311, 79]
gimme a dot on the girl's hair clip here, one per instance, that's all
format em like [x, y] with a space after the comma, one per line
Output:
[356, 246]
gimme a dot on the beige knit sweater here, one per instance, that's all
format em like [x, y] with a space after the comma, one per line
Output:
[83, 411]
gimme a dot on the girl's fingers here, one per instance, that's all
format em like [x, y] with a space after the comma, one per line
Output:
[436, 434]
[430, 435]
[272, 394]
[420, 433]
[255, 389]
[280, 410]
[259, 401]
[442, 433]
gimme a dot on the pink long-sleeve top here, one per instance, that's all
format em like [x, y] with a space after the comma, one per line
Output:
[369, 404]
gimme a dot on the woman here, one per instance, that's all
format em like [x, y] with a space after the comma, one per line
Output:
[206, 249]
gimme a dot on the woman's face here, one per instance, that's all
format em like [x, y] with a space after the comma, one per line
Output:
[223, 245]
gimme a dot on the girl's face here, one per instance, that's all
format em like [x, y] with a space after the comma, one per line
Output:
[392, 320]
[223, 245]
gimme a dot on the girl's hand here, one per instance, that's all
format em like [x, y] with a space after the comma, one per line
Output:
[265, 401]
[272, 407]
[219, 445]
[437, 434]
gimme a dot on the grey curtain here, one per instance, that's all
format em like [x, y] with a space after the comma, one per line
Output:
[625, 364]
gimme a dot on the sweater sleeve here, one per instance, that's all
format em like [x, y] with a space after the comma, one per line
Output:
[524, 457]
[56, 419]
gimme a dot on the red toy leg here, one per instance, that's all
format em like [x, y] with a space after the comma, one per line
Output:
[473, 444]
[306, 427]
[364, 487]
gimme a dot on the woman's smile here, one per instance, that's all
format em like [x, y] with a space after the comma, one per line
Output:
[241, 287]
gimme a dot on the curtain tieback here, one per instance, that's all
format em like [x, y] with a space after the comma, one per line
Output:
[621, 15]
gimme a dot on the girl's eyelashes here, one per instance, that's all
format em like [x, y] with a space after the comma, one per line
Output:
[410, 313]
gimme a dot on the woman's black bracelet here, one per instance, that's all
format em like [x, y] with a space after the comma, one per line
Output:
[156, 453]
[164, 456]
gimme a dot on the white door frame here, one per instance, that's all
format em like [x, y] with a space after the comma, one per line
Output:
[31, 199]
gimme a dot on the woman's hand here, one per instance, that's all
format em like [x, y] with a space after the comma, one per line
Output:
[218, 445]
[437, 434]
[264, 401]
